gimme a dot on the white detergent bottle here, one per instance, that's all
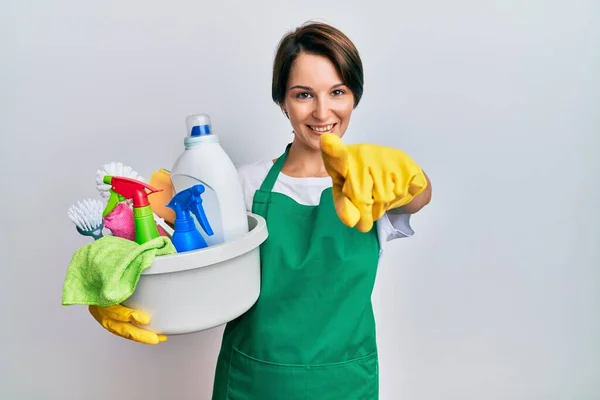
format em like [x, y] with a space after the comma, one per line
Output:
[204, 161]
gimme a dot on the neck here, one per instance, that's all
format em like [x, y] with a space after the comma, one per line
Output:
[304, 162]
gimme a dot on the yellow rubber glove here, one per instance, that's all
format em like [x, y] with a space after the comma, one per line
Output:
[118, 320]
[369, 179]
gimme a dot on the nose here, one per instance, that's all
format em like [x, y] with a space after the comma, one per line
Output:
[321, 109]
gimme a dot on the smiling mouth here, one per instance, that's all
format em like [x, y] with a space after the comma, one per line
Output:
[322, 128]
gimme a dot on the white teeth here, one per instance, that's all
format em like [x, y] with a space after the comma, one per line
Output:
[322, 129]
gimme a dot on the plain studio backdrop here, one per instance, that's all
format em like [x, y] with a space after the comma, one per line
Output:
[495, 297]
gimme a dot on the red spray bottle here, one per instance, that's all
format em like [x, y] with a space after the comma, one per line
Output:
[126, 188]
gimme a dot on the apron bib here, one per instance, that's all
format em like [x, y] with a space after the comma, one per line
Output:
[311, 333]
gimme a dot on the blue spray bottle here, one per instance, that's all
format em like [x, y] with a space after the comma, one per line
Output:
[186, 236]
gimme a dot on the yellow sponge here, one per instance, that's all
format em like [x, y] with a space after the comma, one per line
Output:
[161, 179]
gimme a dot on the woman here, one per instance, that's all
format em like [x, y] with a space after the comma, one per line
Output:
[329, 209]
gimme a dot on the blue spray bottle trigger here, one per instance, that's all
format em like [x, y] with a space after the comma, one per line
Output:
[185, 236]
[198, 210]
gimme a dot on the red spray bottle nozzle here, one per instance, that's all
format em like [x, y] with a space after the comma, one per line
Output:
[127, 188]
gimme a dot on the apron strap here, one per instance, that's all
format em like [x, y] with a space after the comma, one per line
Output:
[271, 177]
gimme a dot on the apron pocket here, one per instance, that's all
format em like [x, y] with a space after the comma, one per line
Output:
[253, 379]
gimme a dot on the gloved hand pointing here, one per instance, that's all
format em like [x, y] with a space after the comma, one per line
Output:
[118, 320]
[369, 179]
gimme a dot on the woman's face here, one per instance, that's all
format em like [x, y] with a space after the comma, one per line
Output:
[317, 101]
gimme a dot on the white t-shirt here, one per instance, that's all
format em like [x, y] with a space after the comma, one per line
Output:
[308, 191]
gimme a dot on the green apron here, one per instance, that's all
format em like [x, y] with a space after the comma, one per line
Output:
[311, 334]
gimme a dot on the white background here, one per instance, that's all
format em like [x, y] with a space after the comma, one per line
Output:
[495, 297]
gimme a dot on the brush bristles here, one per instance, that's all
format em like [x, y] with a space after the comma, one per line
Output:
[87, 214]
[114, 169]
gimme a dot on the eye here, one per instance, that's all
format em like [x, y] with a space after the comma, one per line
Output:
[338, 92]
[303, 95]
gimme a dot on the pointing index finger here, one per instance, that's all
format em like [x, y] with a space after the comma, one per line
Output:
[335, 156]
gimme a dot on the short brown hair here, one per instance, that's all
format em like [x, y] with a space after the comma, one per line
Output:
[319, 39]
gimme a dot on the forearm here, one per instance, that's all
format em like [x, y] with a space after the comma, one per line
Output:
[420, 201]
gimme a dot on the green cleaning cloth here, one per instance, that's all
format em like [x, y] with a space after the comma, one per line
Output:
[106, 271]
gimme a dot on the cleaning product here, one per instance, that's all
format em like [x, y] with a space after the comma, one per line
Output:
[87, 217]
[121, 223]
[126, 188]
[186, 236]
[205, 162]
[120, 219]
[161, 179]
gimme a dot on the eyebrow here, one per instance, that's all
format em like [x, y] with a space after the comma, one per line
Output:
[309, 88]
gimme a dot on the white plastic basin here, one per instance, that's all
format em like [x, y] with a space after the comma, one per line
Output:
[198, 290]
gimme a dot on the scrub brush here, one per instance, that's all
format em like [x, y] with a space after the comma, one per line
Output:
[119, 169]
[87, 217]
